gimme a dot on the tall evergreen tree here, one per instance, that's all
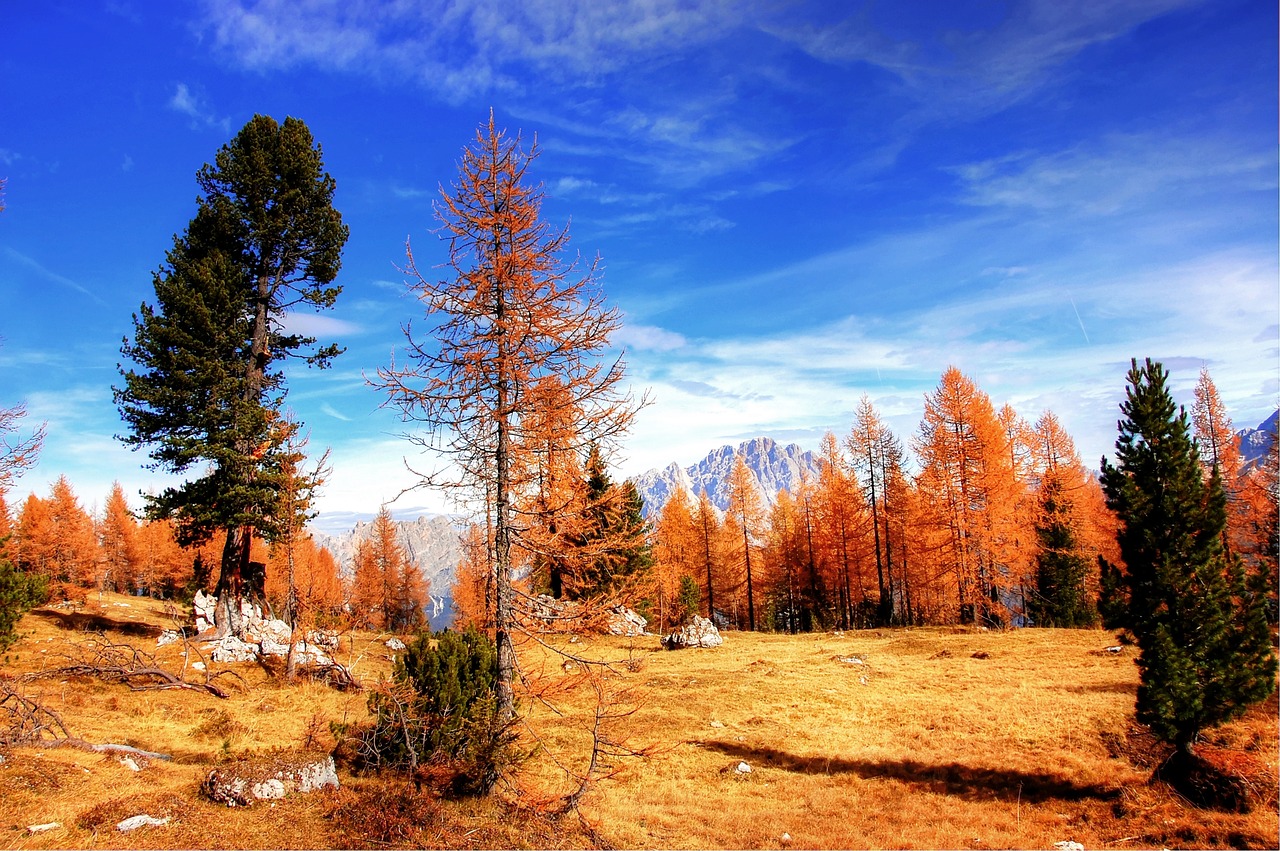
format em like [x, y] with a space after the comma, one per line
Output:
[1206, 653]
[207, 388]
[1062, 599]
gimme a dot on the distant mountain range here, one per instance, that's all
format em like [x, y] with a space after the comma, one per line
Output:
[775, 469]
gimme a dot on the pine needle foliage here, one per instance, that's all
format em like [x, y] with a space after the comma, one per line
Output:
[1206, 652]
[19, 592]
[441, 716]
[207, 387]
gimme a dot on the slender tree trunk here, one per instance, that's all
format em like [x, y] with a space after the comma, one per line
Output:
[711, 594]
[503, 615]
[746, 551]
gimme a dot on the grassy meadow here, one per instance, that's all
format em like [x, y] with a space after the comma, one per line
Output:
[905, 738]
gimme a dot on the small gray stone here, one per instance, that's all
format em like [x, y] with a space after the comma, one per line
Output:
[135, 822]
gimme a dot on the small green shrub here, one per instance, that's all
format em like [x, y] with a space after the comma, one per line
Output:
[19, 592]
[439, 718]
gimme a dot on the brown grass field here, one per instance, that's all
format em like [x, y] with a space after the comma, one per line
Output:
[935, 738]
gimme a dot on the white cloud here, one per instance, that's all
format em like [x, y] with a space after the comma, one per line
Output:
[319, 326]
[1021, 343]
[648, 337]
[1117, 174]
[189, 104]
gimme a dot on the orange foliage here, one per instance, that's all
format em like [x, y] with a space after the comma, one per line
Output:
[743, 521]
[675, 550]
[389, 591]
[317, 586]
[971, 490]
[117, 531]
[473, 583]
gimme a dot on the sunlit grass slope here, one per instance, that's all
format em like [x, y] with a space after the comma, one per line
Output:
[929, 738]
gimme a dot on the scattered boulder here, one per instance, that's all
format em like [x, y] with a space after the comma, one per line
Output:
[169, 636]
[624, 621]
[323, 638]
[203, 606]
[742, 768]
[261, 636]
[1068, 845]
[241, 784]
[232, 649]
[698, 632]
[980, 654]
[395, 645]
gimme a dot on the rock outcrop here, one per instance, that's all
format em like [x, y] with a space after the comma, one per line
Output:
[242, 784]
[698, 632]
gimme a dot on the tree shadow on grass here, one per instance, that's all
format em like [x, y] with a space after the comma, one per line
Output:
[956, 779]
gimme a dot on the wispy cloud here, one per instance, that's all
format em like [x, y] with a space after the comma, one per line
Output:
[334, 412]
[1117, 173]
[319, 325]
[648, 338]
[955, 73]
[37, 268]
[191, 105]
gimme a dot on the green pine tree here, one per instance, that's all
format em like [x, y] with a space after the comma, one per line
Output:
[616, 528]
[19, 592]
[1206, 653]
[206, 394]
[1062, 599]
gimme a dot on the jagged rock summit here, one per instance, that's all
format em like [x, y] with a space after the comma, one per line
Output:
[1256, 442]
[776, 468]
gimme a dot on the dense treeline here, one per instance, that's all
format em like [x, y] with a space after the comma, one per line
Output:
[77, 553]
[998, 523]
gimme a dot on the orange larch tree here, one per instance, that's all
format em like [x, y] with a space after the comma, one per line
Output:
[675, 550]
[73, 550]
[390, 591]
[510, 314]
[784, 559]
[745, 517]
[842, 533]
[472, 588]
[969, 486]
[875, 456]
[1219, 447]
[709, 550]
[32, 545]
[117, 531]
[164, 566]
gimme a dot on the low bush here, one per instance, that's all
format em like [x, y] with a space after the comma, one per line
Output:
[438, 718]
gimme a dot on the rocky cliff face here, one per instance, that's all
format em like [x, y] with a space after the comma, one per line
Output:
[776, 468]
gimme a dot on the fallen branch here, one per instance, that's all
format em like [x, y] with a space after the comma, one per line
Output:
[25, 720]
[107, 747]
[127, 665]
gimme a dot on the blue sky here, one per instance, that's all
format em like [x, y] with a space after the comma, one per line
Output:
[795, 203]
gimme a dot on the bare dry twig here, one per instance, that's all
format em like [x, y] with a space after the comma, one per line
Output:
[123, 663]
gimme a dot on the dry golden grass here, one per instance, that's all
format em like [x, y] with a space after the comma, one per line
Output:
[919, 744]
